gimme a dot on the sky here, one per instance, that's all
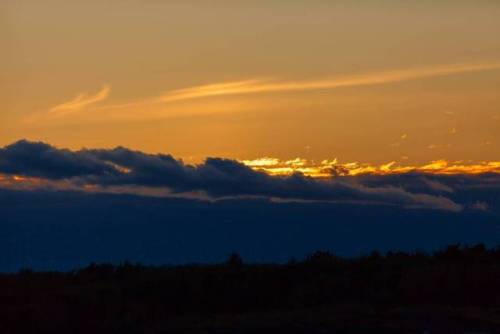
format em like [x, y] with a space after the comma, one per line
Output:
[370, 82]
[181, 131]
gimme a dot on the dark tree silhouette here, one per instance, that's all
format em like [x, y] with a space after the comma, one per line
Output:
[235, 260]
[455, 290]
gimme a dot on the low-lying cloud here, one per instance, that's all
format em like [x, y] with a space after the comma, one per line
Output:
[89, 169]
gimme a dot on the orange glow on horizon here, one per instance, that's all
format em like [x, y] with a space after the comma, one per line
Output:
[276, 167]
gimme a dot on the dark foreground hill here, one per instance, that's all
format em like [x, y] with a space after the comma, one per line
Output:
[456, 290]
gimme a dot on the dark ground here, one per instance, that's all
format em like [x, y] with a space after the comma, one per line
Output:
[456, 290]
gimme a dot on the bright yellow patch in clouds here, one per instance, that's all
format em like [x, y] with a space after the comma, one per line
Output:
[328, 168]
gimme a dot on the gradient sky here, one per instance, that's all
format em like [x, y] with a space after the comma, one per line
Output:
[375, 81]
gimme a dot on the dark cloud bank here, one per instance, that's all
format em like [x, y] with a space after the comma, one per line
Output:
[216, 177]
[264, 218]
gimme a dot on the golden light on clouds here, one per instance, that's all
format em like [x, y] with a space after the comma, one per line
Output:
[325, 169]
[328, 168]
[22, 182]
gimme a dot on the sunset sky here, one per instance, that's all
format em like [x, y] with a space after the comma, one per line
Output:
[180, 131]
[371, 81]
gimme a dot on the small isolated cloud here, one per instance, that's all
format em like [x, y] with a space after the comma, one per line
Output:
[437, 186]
[400, 141]
[481, 206]
[81, 101]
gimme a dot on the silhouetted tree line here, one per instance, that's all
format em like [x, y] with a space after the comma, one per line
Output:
[136, 298]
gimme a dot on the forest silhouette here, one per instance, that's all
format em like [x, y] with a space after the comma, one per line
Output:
[454, 290]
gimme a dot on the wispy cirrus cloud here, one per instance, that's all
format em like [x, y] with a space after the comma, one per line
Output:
[81, 101]
[261, 86]
[255, 86]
